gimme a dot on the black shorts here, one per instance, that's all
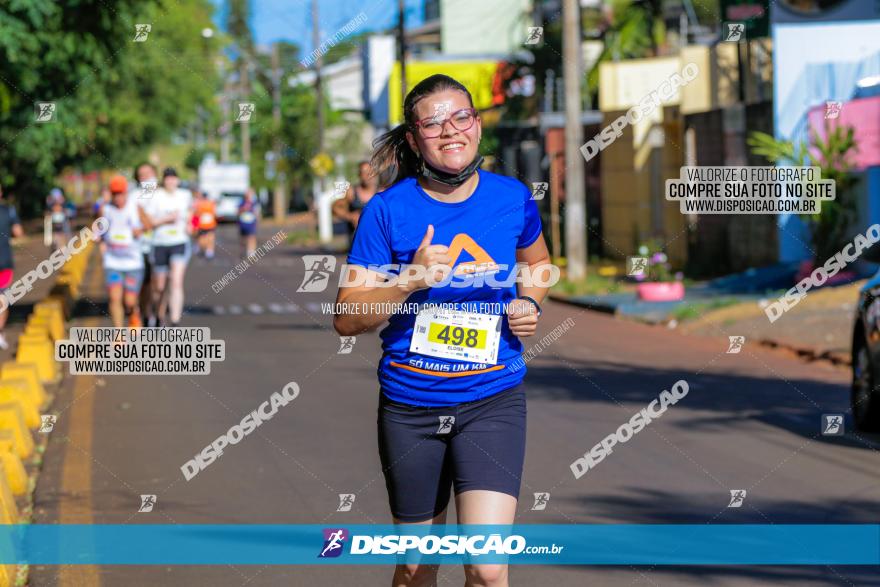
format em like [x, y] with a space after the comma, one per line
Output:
[161, 256]
[425, 454]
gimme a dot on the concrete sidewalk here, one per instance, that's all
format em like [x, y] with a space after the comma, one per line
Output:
[819, 327]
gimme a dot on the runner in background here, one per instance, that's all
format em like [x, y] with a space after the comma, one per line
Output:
[169, 212]
[9, 225]
[57, 219]
[121, 252]
[101, 202]
[141, 193]
[248, 214]
[349, 207]
[205, 221]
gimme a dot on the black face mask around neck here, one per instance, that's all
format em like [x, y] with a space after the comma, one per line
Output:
[452, 179]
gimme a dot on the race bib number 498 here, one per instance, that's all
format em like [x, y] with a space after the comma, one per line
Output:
[464, 336]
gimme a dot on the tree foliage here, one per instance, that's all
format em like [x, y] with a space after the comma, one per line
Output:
[113, 97]
[298, 134]
[634, 29]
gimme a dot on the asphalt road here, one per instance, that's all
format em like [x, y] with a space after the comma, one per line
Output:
[750, 421]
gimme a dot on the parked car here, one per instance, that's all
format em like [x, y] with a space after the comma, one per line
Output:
[865, 396]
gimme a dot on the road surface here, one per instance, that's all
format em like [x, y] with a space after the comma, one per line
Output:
[750, 421]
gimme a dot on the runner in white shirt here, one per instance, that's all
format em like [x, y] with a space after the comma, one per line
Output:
[121, 251]
[169, 211]
[143, 190]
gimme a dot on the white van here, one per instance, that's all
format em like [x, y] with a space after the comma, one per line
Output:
[226, 184]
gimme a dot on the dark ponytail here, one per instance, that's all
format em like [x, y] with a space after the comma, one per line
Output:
[393, 159]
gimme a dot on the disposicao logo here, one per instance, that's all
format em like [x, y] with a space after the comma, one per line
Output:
[483, 264]
[334, 539]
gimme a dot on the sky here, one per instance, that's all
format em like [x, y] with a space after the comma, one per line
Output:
[290, 20]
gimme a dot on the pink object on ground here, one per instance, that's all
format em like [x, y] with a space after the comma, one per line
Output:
[660, 291]
[5, 278]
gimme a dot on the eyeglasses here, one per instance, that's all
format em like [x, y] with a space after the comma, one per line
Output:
[432, 127]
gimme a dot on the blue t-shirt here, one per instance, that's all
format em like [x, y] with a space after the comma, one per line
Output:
[247, 214]
[496, 220]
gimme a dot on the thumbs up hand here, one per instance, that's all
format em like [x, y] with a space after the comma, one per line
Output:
[423, 272]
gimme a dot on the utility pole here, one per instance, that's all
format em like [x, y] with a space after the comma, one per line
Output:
[575, 208]
[279, 201]
[245, 127]
[319, 95]
[322, 201]
[401, 48]
[226, 126]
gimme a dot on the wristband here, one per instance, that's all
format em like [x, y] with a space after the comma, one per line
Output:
[534, 302]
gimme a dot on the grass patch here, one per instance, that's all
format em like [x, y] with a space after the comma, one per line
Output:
[593, 284]
[302, 237]
[692, 311]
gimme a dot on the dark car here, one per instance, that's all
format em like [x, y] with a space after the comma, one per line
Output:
[865, 397]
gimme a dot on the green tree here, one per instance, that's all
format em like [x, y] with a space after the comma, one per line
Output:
[238, 26]
[635, 30]
[829, 228]
[298, 132]
[113, 97]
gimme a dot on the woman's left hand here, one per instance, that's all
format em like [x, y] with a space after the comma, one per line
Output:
[522, 317]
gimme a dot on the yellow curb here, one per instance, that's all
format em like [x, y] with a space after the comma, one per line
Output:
[12, 420]
[50, 316]
[8, 515]
[41, 352]
[27, 372]
[17, 394]
[68, 282]
[37, 330]
[8, 510]
[13, 469]
[7, 575]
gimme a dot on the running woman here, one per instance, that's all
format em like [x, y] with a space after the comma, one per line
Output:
[169, 212]
[452, 410]
[121, 252]
[142, 192]
[349, 207]
[102, 201]
[57, 219]
[205, 215]
[248, 213]
[9, 225]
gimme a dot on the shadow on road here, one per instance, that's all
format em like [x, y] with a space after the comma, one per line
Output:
[795, 405]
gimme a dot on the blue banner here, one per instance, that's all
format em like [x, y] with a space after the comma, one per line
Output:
[531, 544]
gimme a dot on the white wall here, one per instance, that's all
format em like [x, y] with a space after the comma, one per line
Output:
[343, 83]
[378, 60]
[484, 27]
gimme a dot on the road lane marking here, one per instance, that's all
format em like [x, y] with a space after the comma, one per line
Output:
[75, 502]
[274, 308]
